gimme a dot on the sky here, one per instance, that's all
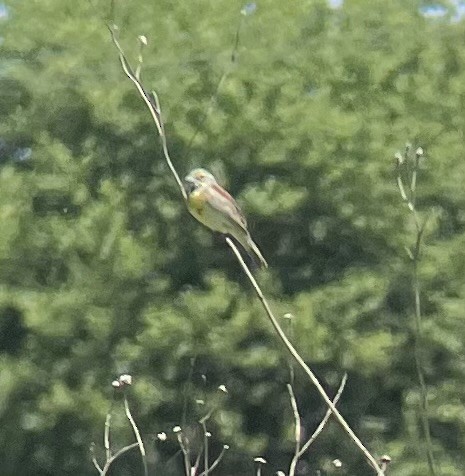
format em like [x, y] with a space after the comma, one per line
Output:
[430, 11]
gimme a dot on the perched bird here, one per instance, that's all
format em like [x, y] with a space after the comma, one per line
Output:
[212, 206]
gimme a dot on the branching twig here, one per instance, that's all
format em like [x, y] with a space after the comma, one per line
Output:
[117, 455]
[185, 452]
[109, 457]
[196, 466]
[94, 458]
[323, 422]
[140, 443]
[154, 108]
[217, 460]
[301, 362]
[299, 451]
[151, 101]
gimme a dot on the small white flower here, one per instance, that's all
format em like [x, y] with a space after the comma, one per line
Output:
[337, 463]
[222, 388]
[176, 429]
[143, 39]
[162, 436]
[260, 460]
[399, 158]
[125, 379]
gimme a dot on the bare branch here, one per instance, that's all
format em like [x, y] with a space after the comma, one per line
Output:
[140, 443]
[185, 452]
[151, 102]
[323, 422]
[117, 455]
[301, 362]
[300, 451]
[153, 106]
[217, 460]
[94, 459]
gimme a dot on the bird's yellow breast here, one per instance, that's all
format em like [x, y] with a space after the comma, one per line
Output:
[196, 202]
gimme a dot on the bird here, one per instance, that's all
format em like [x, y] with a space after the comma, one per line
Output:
[213, 206]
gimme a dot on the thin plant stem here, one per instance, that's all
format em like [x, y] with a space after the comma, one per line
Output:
[424, 408]
[154, 107]
[302, 363]
[195, 468]
[106, 435]
[117, 455]
[297, 430]
[299, 451]
[414, 256]
[217, 460]
[323, 422]
[186, 456]
[140, 443]
[203, 424]
[205, 446]
[94, 459]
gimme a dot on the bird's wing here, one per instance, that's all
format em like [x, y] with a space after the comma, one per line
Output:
[221, 200]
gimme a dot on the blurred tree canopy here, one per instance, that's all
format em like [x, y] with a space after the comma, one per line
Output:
[103, 271]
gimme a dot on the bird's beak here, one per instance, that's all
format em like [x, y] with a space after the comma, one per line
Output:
[189, 185]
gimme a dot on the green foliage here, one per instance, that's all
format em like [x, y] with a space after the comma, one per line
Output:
[102, 270]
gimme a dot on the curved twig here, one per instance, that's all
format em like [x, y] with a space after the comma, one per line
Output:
[301, 362]
[151, 101]
[154, 108]
[140, 443]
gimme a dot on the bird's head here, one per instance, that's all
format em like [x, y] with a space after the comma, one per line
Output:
[196, 178]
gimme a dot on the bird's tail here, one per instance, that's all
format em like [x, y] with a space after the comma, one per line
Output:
[253, 251]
